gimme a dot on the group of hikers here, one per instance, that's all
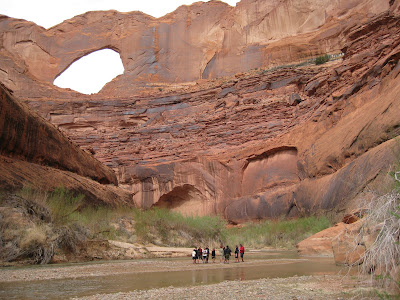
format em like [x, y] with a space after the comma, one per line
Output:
[224, 254]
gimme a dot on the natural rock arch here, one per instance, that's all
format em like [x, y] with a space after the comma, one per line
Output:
[91, 72]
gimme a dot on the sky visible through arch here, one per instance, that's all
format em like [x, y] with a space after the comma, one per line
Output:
[47, 13]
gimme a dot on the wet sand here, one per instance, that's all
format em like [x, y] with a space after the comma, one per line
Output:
[106, 268]
[302, 287]
[295, 287]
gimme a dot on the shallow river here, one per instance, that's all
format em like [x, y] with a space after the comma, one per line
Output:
[277, 264]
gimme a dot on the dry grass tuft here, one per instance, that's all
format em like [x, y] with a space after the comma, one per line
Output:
[33, 236]
[34, 225]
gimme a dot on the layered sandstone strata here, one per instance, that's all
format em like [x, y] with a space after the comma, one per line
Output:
[204, 40]
[29, 137]
[34, 153]
[261, 144]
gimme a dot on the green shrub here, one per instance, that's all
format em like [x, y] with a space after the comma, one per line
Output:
[63, 204]
[166, 227]
[285, 233]
[60, 204]
[72, 222]
[38, 225]
[322, 59]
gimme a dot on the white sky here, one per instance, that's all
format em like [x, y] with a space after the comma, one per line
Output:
[48, 13]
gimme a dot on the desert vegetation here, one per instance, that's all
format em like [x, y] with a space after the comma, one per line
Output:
[34, 225]
[322, 59]
[38, 225]
[278, 233]
[168, 228]
[381, 236]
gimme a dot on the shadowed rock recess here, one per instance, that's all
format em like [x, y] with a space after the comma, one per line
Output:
[33, 153]
[219, 111]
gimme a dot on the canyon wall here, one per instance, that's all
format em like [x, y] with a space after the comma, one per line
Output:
[204, 40]
[266, 143]
[35, 154]
[29, 137]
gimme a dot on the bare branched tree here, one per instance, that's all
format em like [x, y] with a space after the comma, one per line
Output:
[382, 224]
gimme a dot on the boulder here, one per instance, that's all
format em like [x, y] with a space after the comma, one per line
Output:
[347, 246]
[320, 244]
[344, 242]
[294, 99]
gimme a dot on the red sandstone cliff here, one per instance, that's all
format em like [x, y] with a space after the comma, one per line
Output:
[284, 141]
[204, 40]
[35, 153]
[29, 137]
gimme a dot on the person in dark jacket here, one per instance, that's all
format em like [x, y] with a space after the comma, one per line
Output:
[228, 252]
[213, 255]
[237, 254]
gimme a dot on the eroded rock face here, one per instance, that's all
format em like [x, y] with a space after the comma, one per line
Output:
[34, 153]
[27, 136]
[320, 244]
[237, 146]
[204, 40]
[279, 167]
[17, 174]
[343, 242]
[186, 199]
[348, 248]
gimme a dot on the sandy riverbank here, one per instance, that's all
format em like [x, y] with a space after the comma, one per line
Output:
[107, 268]
[297, 287]
[322, 287]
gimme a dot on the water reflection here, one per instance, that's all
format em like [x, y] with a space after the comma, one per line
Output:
[214, 276]
[272, 266]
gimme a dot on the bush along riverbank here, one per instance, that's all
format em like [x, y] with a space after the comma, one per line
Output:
[39, 228]
[380, 234]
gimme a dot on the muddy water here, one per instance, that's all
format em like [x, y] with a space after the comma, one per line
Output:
[274, 264]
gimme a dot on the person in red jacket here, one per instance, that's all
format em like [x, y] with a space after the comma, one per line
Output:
[241, 252]
[200, 254]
